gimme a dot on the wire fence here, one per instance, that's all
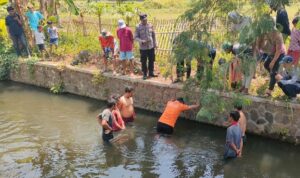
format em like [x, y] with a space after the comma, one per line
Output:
[166, 30]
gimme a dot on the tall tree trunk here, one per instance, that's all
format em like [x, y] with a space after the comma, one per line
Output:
[51, 7]
[57, 5]
[100, 22]
[43, 7]
[83, 25]
[20, 7]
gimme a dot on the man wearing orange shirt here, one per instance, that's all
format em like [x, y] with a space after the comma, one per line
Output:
[167, 121]
[108, 46]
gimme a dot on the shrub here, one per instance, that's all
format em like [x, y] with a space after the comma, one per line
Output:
[57, 88]
[8, 61]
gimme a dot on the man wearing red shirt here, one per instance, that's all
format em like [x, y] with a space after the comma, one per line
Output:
[125, 36]
[108, 46]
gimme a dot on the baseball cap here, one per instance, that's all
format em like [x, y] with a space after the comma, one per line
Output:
[104, 32]
[143, 16]
[286, 60]
[9, 8]
[121, 23]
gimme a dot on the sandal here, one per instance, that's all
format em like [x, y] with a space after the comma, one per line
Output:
[267, 95]
[177, 80]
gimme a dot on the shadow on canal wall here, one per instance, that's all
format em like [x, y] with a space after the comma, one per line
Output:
[268, 118]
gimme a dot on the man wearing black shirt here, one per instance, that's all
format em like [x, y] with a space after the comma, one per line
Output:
[15, 29]
[282, 19]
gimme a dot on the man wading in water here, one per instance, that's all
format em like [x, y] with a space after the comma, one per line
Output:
[242, 121]
[167, 121]
[126, 105]
[105, 119]
[234, 142]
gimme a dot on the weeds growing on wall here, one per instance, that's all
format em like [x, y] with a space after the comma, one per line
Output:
[98, 78]
[8, 60]
[57, 88]
[7, 63]
[30, 62]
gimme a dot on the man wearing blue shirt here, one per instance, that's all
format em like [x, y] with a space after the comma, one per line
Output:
[34, 18]
[15, 29]
[234, 142]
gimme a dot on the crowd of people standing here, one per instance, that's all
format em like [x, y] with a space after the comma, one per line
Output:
[144, 35]
[39, 32]
[268, 48]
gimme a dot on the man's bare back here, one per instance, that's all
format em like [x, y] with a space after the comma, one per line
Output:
[127, 109]
[243, 122]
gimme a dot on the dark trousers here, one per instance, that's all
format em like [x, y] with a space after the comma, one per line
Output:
[149, 55]
[19, 41]
[180, 69]
[291, 90]
[274, 71]
[107, 137]
[164, 128]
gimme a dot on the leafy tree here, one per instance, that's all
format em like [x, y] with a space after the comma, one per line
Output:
[99, 8]
[195, 41]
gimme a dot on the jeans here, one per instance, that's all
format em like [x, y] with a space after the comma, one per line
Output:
[17, 39]
[274, 71]
[148, 54]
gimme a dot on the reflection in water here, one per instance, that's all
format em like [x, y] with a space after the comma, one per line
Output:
[44, 135]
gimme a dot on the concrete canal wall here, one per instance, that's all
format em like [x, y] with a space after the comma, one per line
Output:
[273, 119]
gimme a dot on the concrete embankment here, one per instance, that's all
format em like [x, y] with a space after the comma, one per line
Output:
[273, 119]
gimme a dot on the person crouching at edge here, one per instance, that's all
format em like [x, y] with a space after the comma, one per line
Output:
[105, 120]
[167, 121]
[126, 105]
[234, 142]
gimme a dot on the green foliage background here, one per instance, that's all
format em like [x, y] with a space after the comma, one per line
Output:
[193, 44]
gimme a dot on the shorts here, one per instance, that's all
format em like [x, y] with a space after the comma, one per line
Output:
[164, 128]
[295, 55]
[53, 41]
[108, 53]
[41, 47]
[107, 137]
[128, 55]
[128, 119]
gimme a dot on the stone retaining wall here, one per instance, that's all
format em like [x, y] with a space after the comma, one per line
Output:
[267, 118]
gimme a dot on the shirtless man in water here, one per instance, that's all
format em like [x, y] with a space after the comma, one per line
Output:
[126, 105]
[242, 121]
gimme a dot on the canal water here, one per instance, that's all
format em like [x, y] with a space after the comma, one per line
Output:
[46, 135]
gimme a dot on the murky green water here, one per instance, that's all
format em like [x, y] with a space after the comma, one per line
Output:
[45, 135]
